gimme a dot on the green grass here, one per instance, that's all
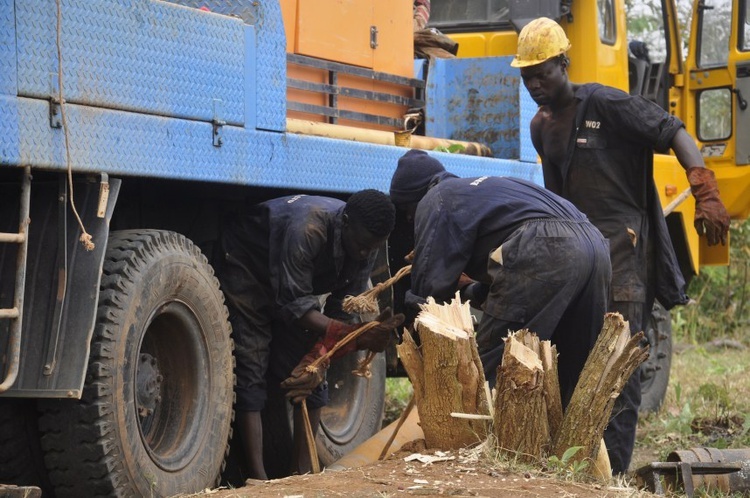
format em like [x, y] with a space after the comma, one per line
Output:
[707, 404]
[721, 295]
[398, 391]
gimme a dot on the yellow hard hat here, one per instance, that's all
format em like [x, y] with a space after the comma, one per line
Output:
[540, 40]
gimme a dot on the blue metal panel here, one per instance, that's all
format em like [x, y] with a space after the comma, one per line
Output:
[265, 70]
[271, 68]
[419, 67]
[475, 100]
[7, 49]
[247, 10]
[528, 110]
[137, 55]
[128, 144]
[10, 139]
[251, 78]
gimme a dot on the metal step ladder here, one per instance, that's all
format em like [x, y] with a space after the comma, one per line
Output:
[16, 312]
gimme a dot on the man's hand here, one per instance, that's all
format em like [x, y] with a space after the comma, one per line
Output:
[305, 379]
[376, 339]
[711, 217]
[464, 280]
[336, 331]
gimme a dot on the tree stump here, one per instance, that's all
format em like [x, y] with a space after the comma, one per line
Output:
[447, 375]
[520, 421]
[610, 364]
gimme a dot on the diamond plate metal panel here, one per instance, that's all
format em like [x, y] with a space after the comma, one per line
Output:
[7, 49]
[247, 10]
[271, 68]
[9, 132]
[475, 100]
[127, 144]
[137, 55]
[268, 74]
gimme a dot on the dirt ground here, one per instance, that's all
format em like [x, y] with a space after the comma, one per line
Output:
[451, 474]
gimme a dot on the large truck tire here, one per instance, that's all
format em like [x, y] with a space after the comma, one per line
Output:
[154, 418]
[21, 460]
[355, 410]
[353, 415]
[655, 370]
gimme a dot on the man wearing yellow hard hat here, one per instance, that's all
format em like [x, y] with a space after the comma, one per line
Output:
[596, 144]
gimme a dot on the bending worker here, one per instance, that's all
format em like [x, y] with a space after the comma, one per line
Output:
[596, 144]
[536, 261]
[279, 257]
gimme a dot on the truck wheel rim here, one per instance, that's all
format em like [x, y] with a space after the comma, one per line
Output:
[171, 356]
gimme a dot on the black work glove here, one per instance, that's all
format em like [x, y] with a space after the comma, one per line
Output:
[305, 379]
[711, 217]
[376, 339]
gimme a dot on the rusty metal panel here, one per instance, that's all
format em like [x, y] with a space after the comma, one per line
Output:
[476, 100]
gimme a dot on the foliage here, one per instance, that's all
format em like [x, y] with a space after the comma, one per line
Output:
[707, 405]
[398, 393]
[567, 465]
[720, 294]
[453, 148]
[645, 24]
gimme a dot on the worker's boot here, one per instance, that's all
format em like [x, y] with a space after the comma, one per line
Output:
[250, 427]
[301, 463]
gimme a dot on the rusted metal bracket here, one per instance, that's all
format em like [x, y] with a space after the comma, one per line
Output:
[55, 113]
[649, 476]
[217, 122]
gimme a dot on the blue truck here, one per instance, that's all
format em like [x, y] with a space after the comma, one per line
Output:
[128, 129]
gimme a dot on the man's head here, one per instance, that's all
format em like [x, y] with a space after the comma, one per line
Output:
[412, 177]
[369, 217]
[542, 45]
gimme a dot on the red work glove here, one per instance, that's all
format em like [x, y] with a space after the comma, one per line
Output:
[711, 216]
[376, 339]
[303, 380]
[335, 332]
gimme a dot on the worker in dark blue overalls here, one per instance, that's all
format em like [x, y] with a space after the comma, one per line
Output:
[278, 258]
[536, 262]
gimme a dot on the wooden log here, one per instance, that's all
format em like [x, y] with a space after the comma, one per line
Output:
[548, 355]
[447, 376]
[611, 362]
[520, 420]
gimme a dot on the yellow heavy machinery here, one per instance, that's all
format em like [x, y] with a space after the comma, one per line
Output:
[708, 89]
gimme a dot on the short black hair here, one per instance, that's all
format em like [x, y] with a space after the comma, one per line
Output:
[373, 211]
[563, 60]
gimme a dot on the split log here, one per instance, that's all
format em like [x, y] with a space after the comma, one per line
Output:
[447, 375]
[547, 353]
[520, 420]
[611, 362]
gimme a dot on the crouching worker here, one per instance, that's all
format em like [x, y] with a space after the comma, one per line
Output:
[535, 260]
[278, 258]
